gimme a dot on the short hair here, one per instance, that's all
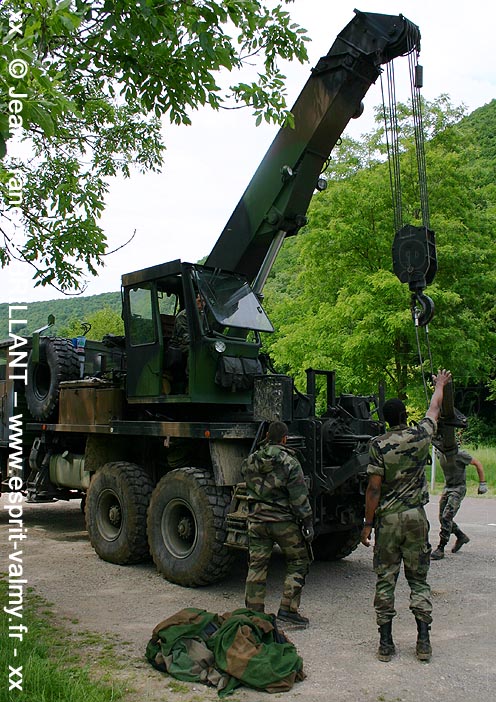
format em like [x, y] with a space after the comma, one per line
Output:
[276, 432]
[394, 412]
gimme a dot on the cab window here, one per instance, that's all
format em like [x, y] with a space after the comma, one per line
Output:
[141, 325]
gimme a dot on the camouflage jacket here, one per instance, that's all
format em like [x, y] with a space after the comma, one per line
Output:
[400, 457]
[455, 467]
[180, 335]
[276, 486]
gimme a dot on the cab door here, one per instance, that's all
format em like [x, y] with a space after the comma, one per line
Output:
[144, 352]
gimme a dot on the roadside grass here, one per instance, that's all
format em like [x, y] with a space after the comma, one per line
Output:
[53, 669]
[62, 663]
[487, 456]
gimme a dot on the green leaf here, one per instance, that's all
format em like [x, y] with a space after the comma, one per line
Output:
[42, 118]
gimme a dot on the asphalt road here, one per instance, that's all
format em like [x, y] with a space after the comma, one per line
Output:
[338, 649]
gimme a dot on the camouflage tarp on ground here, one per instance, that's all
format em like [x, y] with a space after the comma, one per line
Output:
[240, 647]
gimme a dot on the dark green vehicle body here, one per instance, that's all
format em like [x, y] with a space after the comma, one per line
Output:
[231, 311]
[153, 437]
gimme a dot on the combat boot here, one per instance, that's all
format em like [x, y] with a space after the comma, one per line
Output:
[438, 553]
[424, 649]
[286, 615]
[461, 539]
[386, 648]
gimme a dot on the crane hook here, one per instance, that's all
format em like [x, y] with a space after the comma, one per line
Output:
[422, 316]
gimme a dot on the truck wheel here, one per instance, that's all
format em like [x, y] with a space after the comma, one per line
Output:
[58, 361]
[116, 505]
[337, 545]
[186, 531]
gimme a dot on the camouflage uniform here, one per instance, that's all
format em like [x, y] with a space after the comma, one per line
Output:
[278, 501]
[401, 527]
[180, 334]
[455, 489]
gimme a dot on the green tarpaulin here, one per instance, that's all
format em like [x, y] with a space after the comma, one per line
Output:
[236, 648]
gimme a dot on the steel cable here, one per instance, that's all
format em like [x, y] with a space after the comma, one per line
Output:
[391, 129]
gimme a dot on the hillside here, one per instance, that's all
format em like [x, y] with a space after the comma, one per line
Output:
[483, 122]
[64, 311]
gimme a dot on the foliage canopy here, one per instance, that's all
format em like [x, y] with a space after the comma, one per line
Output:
[333, 297]
[84, 86]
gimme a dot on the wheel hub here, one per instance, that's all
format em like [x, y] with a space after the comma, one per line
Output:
[179, 528]
[115, 515]
[185, 528]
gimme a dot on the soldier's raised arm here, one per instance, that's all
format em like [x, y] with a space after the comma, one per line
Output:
[440, 380]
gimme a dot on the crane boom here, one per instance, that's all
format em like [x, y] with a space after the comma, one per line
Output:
[275, 203]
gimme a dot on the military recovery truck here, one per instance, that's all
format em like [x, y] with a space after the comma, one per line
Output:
[152, 433]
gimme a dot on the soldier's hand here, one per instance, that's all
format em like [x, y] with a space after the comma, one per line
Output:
[308, 533]
[482, 488]
[365, 535]
[443, 377]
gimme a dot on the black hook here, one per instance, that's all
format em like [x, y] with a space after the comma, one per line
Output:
[423, 316]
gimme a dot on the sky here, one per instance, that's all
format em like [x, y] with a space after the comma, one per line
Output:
[180, 213]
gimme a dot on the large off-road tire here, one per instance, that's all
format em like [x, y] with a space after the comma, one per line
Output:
[186, 528]
[333, 547]
[116, 505]
[58, 361]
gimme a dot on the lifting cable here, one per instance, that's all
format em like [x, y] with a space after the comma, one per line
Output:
[390, 115]
[391, 128]
[415, 84]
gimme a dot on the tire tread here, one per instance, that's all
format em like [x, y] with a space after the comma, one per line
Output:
[140, 486]
[221, 557]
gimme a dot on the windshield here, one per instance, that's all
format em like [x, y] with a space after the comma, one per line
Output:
[232, 301]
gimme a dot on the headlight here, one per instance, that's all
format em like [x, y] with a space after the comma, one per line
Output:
[219, 346]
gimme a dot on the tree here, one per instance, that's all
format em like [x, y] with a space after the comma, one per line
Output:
[346, 310]
[84, 84]
[101, 322]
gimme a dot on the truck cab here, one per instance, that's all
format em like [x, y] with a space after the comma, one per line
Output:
[218, 357]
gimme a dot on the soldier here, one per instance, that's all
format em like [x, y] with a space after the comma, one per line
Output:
[176, 357]
[394, 505]
[180, 335]
[279, 512]
[454, 469]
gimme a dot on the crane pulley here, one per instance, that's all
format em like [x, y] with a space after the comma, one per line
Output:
[414, 247]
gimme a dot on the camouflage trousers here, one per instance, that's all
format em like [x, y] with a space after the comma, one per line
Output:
[262, 536]
[402, 536]
[449, 504]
